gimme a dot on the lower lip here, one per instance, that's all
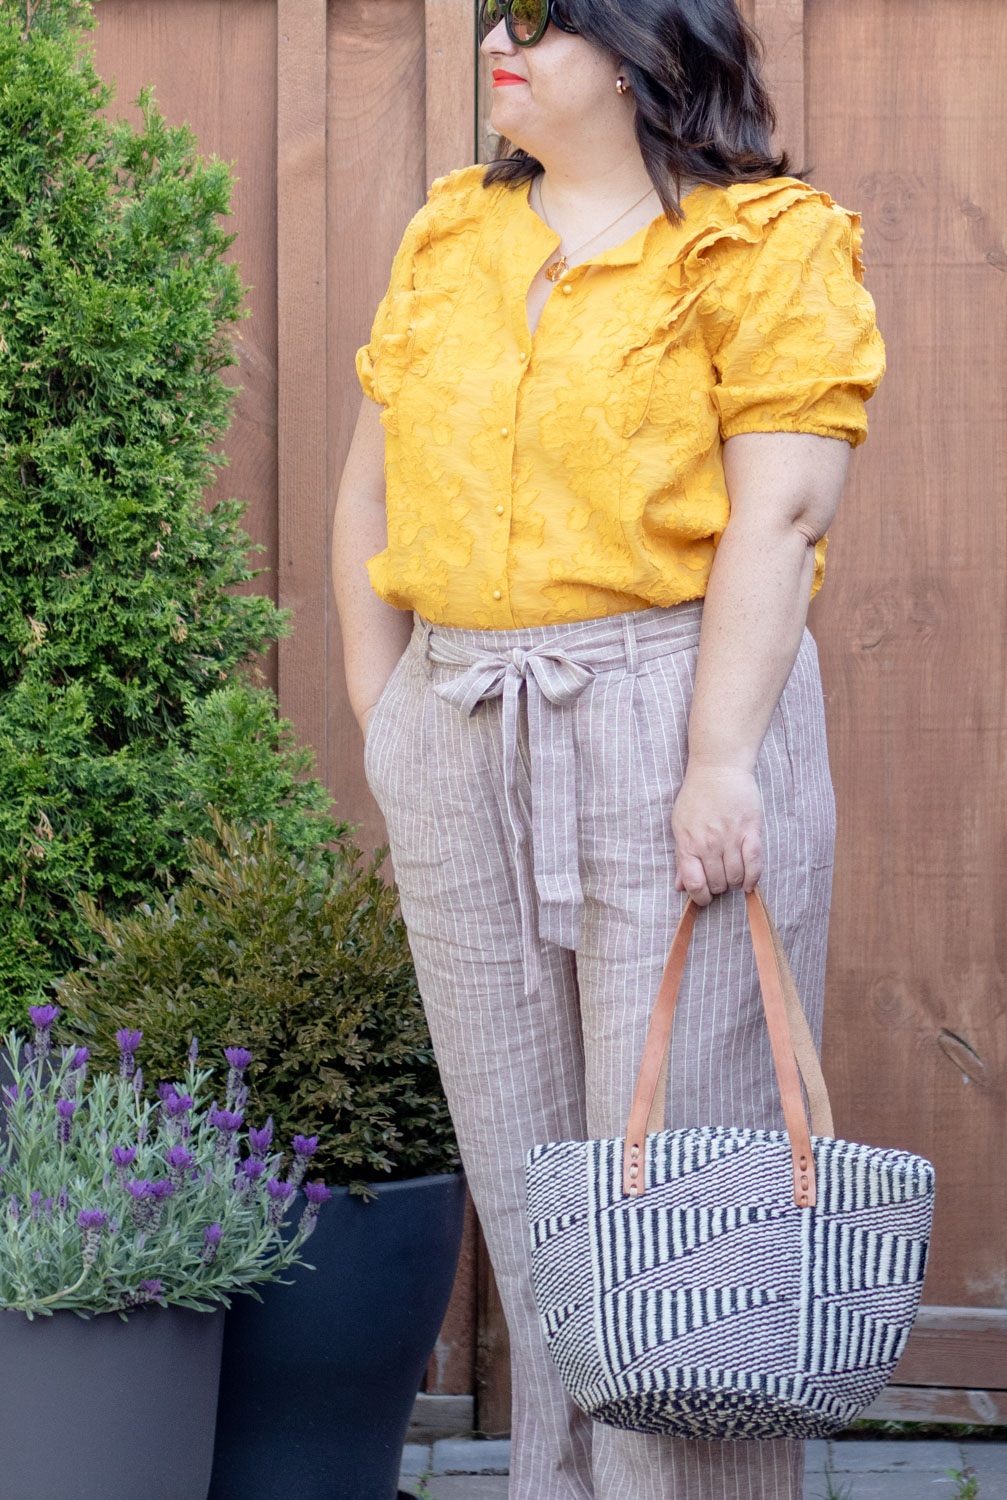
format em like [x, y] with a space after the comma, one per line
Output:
[498, 83]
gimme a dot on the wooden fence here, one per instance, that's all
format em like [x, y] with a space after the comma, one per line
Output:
[337, 114]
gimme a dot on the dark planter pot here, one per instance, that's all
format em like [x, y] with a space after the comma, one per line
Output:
[319, 1379]
[99, 1409]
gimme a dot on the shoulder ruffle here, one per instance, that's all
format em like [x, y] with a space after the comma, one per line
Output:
[742, 213]
[456, 203]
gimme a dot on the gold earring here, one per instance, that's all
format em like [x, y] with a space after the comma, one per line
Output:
[621, 86]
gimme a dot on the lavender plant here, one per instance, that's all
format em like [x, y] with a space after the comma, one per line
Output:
[112, 1200]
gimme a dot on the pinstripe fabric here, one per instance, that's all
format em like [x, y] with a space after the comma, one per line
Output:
[560, 1062]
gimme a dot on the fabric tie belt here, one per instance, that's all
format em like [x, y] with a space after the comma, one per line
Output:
[552, 681]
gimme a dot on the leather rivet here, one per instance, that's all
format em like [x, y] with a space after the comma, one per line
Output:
[635, 1150]
[804, 1163]
[634, 1189]
[804, 1182]
[633, 1171]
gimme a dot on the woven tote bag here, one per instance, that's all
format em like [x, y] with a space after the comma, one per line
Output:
[722, 1282]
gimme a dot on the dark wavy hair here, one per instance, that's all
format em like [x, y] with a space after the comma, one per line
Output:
[703, 111]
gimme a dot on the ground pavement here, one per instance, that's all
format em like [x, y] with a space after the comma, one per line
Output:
[856, 1469]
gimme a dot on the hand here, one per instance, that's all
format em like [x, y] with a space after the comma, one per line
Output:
[717, 823]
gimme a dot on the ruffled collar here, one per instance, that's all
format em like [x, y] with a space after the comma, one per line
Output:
[739, 211]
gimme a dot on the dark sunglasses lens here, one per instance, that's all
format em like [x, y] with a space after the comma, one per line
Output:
[527, 18]
[490, 15]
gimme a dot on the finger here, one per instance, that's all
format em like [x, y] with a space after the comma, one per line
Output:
[751, 849]
[716, 876]
[693, 878]
[734, 867]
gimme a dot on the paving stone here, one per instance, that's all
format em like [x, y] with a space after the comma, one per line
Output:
[816, 1453]
[876, 1456]
[415, 1458]
[456, 1456]
[467, 1487]
[921, 1484]
[989, 1460]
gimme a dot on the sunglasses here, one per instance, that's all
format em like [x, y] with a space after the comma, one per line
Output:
[526, 19]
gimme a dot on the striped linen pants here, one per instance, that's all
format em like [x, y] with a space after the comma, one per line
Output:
[527, 779]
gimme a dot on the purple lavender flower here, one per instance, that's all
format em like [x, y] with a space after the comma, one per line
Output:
[138, 1083]
[253, 1169]
[62, 1200]
[176, 1106]
[36, 1200]
[64, 1125]
[304, 1148]
[91, 1221]
[162, 1188]
[259, 1141]
[128, 1041]
[123, 1157]
[146, 1209]
[280, 1194]
[14, 1208]
[238, 1059]
[11, 1094]
[42, 1017]
[316, 1194]
[80, 1057]
[194, 1050]
[146, 1291]
[211, 1243]
[226, 1125]
[47, 1207]
[179, 1161]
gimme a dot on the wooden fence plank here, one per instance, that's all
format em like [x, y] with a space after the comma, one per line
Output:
[302, 565]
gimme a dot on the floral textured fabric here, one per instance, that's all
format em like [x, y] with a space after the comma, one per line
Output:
[578, 472]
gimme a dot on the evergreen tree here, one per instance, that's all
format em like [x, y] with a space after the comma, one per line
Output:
[126, 707]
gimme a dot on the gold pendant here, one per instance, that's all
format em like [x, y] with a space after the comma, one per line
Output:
[557, 269]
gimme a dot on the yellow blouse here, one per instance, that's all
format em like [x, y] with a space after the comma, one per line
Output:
[532, 480]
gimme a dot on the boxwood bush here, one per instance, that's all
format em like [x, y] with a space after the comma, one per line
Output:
[315, 980]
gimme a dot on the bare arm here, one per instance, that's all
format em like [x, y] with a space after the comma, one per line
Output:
[784, 489]
[374, 634]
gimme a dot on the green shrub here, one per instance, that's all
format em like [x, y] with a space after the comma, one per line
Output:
[125, 704]
[316, 981]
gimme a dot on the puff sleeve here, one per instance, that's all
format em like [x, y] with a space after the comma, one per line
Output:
[382, 357]
[802, 352]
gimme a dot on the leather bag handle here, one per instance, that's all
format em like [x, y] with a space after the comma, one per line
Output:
[790, 1039]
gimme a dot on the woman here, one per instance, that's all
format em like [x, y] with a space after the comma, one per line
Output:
[573, 573]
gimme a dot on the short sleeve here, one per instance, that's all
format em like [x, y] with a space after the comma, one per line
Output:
[802, 352]
[382, 354]
[430, 262]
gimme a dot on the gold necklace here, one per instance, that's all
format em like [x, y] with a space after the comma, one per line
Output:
[559, 268]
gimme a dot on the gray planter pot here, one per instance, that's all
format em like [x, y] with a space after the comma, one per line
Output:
[99, 1409]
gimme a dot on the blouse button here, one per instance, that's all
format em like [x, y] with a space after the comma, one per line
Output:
[522, 356]
[497, 594]
[499, 510]
[503, 432]
[567, 289]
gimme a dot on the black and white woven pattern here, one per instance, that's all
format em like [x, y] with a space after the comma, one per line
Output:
[712, 1306]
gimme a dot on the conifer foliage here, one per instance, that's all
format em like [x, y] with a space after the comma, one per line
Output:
[126, 705]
